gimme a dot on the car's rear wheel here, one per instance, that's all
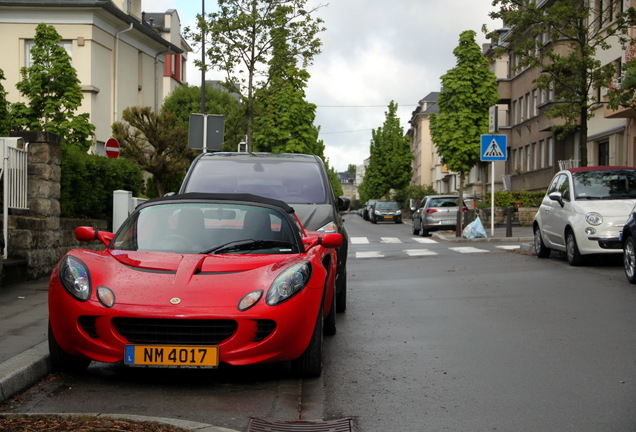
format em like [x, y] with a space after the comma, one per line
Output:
[423, 232]
[572, 250]
[629, 259]
[539, 247]
[63, 362]
[309, 364]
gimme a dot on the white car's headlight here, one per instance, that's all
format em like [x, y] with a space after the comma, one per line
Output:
[399, 212]
[594, 218]
[288, 283]
[75, 277]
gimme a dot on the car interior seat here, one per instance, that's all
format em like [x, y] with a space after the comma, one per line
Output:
[257, 225]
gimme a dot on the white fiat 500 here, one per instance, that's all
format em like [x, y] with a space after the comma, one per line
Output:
[583, 212]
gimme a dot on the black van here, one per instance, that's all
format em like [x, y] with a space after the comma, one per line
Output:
[299, 180]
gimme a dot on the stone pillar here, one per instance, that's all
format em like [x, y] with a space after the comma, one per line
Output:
[35, 233]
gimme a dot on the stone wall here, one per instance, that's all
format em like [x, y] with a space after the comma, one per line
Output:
[39, 236]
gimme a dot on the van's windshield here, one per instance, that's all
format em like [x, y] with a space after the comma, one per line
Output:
[292, 182]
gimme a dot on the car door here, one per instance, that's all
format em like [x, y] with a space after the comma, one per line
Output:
[554, 215]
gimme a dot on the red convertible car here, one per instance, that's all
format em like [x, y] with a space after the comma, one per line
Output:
[196, 280]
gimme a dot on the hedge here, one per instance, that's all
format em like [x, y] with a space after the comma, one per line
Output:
[88, 182]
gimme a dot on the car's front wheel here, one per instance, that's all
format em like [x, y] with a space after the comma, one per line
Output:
[415, 228]
[539, 247]
[629, 259]
[572, 250]
[63, 362]
[309, 364]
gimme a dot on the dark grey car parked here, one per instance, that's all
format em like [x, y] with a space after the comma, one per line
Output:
[299, 180]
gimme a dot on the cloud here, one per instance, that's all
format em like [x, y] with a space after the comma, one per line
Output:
[373, 52]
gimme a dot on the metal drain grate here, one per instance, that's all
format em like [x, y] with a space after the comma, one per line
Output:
[264, 425]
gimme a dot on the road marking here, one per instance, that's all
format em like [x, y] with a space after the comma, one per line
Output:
[359, 240]
[390, 240]
[509, 247]
[419, 252]
[468, 249]
[369, 254]
[424, 240]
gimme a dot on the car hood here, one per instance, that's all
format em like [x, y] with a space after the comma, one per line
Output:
[314, 216]
[607, 208]
[152, 279]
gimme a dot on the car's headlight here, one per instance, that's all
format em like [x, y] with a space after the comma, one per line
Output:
[329, 228]
[399, 212]
[594, 218]
[75, 277]
[288, 283]
[377, 212]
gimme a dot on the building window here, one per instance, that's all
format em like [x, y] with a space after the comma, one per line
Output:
[550, 151]
[173, 66]
[535, 103]
[522, 113]
[603, 153]
[28, 45]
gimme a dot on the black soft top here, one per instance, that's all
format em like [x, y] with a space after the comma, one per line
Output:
[233, 197]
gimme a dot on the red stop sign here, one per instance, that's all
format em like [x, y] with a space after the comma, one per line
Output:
[112, 148]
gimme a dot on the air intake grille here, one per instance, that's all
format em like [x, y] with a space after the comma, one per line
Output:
[175, 331]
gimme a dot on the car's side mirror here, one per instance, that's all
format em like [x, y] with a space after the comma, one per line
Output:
[343, 203]
[87, 234]
[556, 196]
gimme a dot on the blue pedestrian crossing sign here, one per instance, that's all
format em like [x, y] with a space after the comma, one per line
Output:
[494, 148]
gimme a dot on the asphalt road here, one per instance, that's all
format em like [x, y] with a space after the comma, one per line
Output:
[438, 336]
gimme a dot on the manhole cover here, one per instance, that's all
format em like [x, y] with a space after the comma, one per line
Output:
[264, 425]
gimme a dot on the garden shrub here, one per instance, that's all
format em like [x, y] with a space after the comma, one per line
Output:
[88, 182]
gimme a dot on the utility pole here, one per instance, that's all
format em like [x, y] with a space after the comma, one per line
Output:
[203, 60]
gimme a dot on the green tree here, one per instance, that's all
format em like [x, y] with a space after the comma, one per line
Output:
[241, 45]
[285, 120]
[156, 142]
[562, 39]
[53, 92]
[625, 94]
[4, 108]
[351, 169]
[468, 90]
[187, 99]
[390, 158]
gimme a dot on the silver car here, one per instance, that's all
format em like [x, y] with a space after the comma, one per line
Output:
[435, 213]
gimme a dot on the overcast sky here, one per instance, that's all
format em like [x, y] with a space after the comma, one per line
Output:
[373, 52]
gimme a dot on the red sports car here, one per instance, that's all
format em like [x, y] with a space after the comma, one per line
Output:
[196, 280]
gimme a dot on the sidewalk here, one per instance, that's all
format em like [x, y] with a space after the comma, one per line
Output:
[24, 356]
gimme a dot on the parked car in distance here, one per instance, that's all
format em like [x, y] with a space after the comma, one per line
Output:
[299, 180]
[584, 211]
[435, 213]
[196, 280]
[386, 211]
[368, 207]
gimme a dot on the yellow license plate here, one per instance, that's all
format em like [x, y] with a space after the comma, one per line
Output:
[171, 355]
[389, 216]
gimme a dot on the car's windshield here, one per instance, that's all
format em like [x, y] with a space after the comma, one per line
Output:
[387, 205]
[294, 182]
[203, 227]
[604, 184]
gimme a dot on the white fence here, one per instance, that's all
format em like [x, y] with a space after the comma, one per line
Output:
[123, 205]
[13, 172]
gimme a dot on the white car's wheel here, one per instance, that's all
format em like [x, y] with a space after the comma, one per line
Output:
[539, 247]
[572, 250]
[629, 259]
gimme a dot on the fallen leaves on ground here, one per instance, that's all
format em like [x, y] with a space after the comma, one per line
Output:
[56, 423]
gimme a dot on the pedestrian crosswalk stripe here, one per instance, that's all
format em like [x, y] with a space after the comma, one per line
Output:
[359, 240]
[509, 247]
[419, 252]
[390, 240]
[369, 254]
[424, 240]
[468, 249]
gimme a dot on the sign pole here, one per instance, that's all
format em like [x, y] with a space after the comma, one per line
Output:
[492, 199]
